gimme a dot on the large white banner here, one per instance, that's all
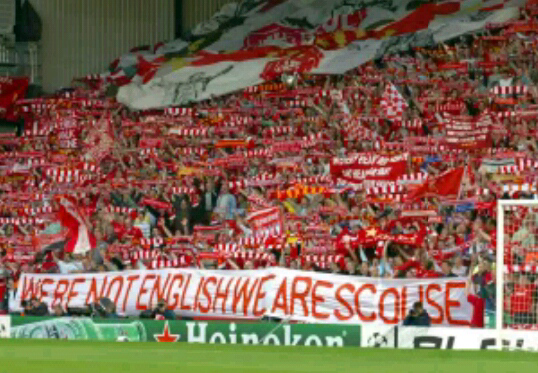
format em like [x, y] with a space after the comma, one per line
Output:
[287, 294]
[256, 41]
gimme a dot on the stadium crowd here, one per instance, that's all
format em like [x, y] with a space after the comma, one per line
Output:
[182, 187]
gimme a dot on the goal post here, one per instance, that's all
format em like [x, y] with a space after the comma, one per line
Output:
[516, 301]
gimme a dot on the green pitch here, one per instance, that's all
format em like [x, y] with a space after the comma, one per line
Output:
[52, 356]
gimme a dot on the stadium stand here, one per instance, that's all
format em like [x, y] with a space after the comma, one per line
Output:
[391, 170]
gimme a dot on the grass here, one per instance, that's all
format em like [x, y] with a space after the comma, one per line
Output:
[46, 356]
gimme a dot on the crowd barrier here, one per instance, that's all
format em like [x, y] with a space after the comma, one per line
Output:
[262, 333]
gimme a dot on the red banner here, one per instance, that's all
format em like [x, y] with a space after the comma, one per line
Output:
[151, 142]
[11, 89]
[445, 185]
[366, 166]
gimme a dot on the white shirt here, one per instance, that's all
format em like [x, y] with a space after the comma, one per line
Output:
[461, 271]
[69, 267]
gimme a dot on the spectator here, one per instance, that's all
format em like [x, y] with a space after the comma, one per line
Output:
[58, 311]
[418, 316]
[36, 308]
[484, 281]
[183, 222]
[4, 278]
[446, 269]
[143, 222]
[226, 204]
[162, 312]
[521, 303]
[208, 202]
[459, 269]
[72, 264]
[478, 303]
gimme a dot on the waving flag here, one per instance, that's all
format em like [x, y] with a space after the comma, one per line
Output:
[392, 103]
[79, 239]
[99, 141]
[445, 185]
[264, 39]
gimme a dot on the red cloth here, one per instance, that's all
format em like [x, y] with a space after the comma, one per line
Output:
[421, 271]
[135, 232]
[3, 288]
[119, 229]
[445, 185]
[477, 318]
[70, 217]
[46, 266]
[521, 299]
[424, 273]
[11, 89]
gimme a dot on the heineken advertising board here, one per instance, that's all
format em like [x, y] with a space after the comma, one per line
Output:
[185, 331]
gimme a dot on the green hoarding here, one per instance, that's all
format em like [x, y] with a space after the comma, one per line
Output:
[185, 331]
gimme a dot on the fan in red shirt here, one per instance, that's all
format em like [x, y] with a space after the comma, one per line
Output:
[522, 303]
[479, 304]
[127, 230]
[418, 269]
[3, 290]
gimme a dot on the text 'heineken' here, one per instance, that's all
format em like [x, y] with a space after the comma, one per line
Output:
[267, 334]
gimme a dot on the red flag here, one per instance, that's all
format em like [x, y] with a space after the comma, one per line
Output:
[11, 89]
[445, 185]
[79, 238]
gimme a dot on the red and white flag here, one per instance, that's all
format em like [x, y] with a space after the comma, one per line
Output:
[392, 102]
[79, 238]
[266, 221]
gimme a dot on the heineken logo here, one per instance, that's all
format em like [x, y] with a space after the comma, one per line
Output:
[166, 336]
[266, 334]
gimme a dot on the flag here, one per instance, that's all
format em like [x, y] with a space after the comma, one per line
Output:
[99, 141]
[263, 42]
[392, 103]
[445, 185]
[11, 90]
[79, 239]
[266, 221]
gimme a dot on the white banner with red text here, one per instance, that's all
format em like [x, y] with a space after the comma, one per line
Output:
[287, 294]
[356, 169]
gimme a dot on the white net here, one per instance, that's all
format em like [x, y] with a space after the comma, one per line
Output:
[520, 278]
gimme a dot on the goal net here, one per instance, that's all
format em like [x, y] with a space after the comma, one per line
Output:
[516, 298]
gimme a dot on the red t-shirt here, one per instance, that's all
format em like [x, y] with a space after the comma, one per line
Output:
[135, 232]
[521, 299]
[3, 288]
[119, 229]
[477, 318]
